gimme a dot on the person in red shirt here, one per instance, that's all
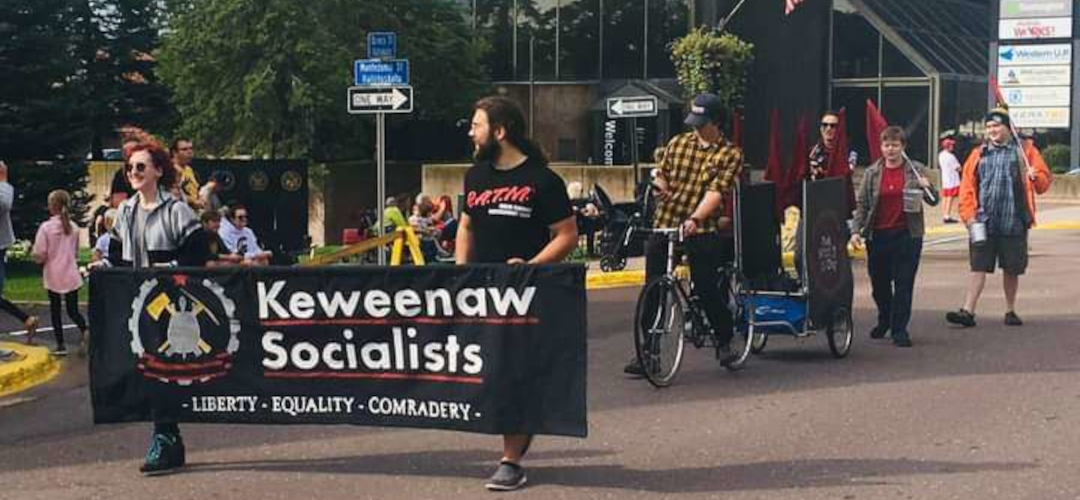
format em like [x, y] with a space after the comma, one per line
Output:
[889, 217]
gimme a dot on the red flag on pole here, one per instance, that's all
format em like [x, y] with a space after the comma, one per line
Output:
[842, 161]
[998, 96]
[875, 124]
[774, 166]
[737, 128]
[790, 5]
[800, 164]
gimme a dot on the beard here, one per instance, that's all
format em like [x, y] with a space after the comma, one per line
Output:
[488, 151]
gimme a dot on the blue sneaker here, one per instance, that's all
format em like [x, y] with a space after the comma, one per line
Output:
[165, 456]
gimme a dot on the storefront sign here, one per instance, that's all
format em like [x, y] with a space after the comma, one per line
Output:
[1033, 29]
[1022, 9]
[1030, 55]
[1034, 76]
[1037, 96]
[1040, 117]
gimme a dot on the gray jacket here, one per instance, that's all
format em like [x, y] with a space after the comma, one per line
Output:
[7, 198]
[167, 226]
[866, 199]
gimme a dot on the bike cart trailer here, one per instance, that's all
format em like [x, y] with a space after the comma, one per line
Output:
[820, 301]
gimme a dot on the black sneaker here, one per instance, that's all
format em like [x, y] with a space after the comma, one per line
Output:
[60, 351]
[725, 354]
[633, 367]
[165, 456]
[508, 477]
[1011, 319]
[878, 332]
[961, 317]
[904, 341]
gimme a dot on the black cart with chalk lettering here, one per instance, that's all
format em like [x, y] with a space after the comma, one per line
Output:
[764, 299]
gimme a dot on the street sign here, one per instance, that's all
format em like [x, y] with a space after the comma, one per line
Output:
[1035, 76]
[1032, 29]
[1040, 117]
[632, 107]
[368, 100]
[376, 72]
[1019, 9]
[382, 45]
[1037, 96]
[1032, 55]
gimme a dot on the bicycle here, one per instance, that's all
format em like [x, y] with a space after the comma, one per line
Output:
[669, 313]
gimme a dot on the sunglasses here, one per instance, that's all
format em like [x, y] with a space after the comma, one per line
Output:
[829, 125]
[241, 217]
[140, 167]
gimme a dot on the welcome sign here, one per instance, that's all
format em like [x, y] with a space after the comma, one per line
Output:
[492, 349]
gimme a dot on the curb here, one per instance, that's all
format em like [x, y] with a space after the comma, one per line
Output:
[620, 279]
[37, 366]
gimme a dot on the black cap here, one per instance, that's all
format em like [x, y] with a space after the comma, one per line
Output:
[998, 115]
[705, 109]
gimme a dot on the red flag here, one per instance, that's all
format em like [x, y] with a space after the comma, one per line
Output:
[841, 161]
[998, 96]
[737, 128]
[774, 168]
[800, 164]
[790, 5]
[875, 124]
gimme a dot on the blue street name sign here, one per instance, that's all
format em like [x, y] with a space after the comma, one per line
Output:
[375, 72]
[382, 45]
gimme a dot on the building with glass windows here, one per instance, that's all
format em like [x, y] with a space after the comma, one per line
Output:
[924, 62]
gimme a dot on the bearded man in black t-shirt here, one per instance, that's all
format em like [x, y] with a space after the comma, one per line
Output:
[516, 212]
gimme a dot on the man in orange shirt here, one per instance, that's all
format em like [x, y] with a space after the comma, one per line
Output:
[998, 190]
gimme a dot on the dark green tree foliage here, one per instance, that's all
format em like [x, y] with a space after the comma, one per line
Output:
[39, 99]
[34, 180]
[74, 71]
[268, 77]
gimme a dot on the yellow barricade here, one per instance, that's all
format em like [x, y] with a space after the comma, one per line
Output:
[401, 238]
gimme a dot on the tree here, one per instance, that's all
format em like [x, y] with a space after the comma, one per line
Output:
[39, 105]
[74, 71]
[268, 77]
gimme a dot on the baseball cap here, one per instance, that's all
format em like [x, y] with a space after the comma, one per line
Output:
[705, 109]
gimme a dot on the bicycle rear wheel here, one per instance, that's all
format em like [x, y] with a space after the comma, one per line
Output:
[659, 328]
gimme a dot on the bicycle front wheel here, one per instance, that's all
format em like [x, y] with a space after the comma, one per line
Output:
[659, 328]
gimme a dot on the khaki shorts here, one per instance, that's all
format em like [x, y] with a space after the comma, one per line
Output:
[1010, 253]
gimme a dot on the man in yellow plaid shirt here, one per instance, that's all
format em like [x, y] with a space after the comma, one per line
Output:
[697, 171]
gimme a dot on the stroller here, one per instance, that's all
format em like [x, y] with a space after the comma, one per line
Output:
[621, 236]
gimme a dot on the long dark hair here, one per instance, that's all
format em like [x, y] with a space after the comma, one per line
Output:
[502, 112]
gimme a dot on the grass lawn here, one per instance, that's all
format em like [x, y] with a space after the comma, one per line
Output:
[23, 283]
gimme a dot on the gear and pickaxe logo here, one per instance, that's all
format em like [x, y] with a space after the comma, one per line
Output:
[183, 331]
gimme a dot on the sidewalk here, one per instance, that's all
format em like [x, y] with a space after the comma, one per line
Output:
[32, 365]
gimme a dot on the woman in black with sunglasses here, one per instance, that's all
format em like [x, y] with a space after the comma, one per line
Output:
[154, 228]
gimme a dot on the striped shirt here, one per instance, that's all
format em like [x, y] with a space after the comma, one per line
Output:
[691, 169]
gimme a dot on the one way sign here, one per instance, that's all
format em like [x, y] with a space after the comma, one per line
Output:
[366, 100]
[632, 107]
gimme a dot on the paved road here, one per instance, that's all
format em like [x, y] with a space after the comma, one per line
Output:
[967, 414]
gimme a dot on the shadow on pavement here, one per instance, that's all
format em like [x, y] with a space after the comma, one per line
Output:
[477, 464]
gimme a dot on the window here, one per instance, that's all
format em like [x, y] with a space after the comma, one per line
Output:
[536, 26]
[494, 21]
[668, 20]
[579, 40]
[623, 40]
[855, 44]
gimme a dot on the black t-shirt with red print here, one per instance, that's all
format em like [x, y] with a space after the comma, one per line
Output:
[511, 211]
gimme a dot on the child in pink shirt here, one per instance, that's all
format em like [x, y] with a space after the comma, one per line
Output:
[56, 247]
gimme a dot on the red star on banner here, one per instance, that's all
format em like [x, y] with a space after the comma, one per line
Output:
[180, 280]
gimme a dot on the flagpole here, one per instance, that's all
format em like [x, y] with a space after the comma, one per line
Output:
[723, 22]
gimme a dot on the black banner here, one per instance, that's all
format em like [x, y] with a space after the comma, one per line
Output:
[831, 284]
[492, 349]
